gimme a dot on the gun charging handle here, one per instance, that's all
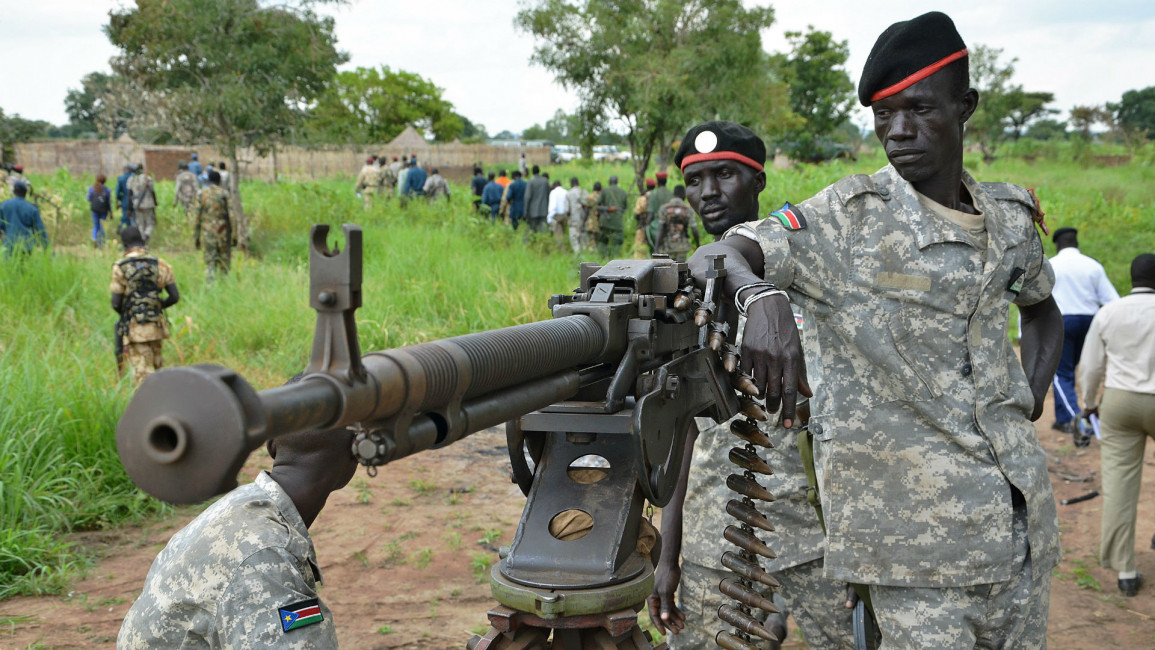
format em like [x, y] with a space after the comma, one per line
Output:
[188, 430]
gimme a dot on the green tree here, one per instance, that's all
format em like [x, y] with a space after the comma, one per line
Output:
[645, 62]
[1026, 108]
[1005, 110]
[1046, 129]
[561, 128]
[376, 105]
[237, 73]
[15, 129]
[472, 131]
[1136, 111]
[820, 91]
[107, 104]
[1084, 118]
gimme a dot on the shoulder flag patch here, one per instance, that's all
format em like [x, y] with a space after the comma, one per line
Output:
[790, 217]
[300, 614]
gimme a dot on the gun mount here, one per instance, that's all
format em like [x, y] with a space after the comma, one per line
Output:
[619, 372]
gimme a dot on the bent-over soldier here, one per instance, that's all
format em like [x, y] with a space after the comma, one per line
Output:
[244, 573]
[138, 279]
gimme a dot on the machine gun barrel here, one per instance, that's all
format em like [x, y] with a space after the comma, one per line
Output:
[183, 422]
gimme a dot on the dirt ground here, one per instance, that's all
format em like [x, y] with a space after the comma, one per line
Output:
[400, 553]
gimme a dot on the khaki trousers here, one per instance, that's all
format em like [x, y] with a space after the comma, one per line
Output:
[1126, 421]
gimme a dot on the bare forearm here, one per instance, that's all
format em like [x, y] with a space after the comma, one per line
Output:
[672, 512]
[1042, 347]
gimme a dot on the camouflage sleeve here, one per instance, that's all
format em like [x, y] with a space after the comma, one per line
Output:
[249, 614]
[1039, 279]
[117, 285]
[165, 275]
[807, 249]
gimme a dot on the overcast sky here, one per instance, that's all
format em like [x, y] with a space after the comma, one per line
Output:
[1085, 52]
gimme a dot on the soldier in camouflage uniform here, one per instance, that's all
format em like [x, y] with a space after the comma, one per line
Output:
[186, 191]
[137, 282]
[244, 573]
[435, 186]
[575, 200]
[368, 179]
[611, 207]
[933, 483]
[143, 195]
[214, 220]
[727, 189]
[675, 225]
[386, 178]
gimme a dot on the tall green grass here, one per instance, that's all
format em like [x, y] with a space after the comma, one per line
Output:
[430, 271]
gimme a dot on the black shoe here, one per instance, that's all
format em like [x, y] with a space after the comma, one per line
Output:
[1064, 427]
[1130, 586]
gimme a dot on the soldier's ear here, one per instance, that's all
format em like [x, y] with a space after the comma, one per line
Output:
[759, 183]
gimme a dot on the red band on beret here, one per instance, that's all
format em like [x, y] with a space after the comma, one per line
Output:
[918, 76]
[720, 155]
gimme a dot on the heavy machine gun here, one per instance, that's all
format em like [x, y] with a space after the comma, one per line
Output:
[619, 372]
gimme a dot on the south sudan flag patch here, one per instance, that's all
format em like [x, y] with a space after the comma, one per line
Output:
[790, 217]
[306, 612]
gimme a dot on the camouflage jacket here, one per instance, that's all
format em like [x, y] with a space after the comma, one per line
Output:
[186, 188]
[139, 277]
[242, 575]
[678, 217]
[143, 192]
[921, 420]
[368, 178]
[213, 215]
[797, 535]
[435, 186]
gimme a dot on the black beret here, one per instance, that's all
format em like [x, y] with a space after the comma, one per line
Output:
[1062, 231]
[908, 52]
[718, 140]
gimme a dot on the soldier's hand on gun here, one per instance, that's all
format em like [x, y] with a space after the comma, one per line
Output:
[664, 611]
[772, 355]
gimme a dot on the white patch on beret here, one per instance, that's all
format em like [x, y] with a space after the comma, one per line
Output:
[705, 142]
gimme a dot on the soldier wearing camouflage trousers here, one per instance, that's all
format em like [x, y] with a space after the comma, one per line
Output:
[934, 485]
[137, 282]
[213, 220]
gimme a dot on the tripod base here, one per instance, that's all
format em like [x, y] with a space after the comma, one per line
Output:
[514, 630]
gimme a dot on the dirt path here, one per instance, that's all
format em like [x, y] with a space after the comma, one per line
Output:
[399, 553]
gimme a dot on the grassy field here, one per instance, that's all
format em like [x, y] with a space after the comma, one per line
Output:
[430, 271]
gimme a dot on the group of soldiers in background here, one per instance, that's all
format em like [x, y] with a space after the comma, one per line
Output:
[665, 223]
[140, 278]
[379, 179]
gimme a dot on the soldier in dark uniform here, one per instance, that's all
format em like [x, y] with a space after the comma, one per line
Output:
[611, 207]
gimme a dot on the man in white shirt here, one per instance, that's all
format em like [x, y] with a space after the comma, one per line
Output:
[1081, 287]
[558, 212]
[1120, 354]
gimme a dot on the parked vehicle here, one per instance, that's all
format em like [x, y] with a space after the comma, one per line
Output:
[563, 153]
